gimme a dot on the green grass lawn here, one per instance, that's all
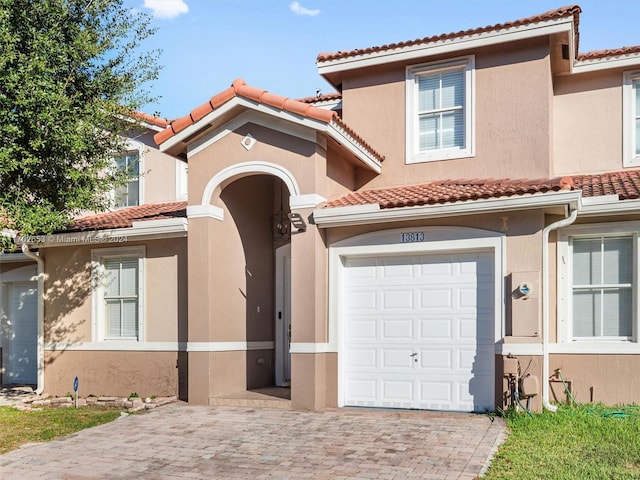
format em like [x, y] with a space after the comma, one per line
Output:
[584, 442]
[18, 428]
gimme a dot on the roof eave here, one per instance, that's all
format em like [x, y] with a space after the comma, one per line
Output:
[330, 69]
[332, 129]
[140, 230]
[372, 213]
[605, 63]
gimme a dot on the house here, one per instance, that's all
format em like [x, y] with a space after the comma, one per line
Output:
[464, 213]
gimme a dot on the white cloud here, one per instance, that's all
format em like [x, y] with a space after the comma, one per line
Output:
[300, 10]
[166, 8]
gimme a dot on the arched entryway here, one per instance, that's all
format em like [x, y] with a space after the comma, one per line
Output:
[255, 234]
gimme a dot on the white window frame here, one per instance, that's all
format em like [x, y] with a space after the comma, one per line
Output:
[182, 183]
[630, 158]
[98, 322]
[565, 281]
[413, 155]
[133, 146]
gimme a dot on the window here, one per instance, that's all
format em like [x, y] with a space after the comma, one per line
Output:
[117, 296]
[631, 127]
[602, 289]
[440, 111]
[128, 195]
[598, 277]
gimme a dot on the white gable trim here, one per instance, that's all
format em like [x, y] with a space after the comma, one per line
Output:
[240, 170]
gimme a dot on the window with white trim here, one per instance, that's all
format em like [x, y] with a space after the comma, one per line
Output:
[631, 118]
[597, 265]
[440, 110]
[118, 283]
[128, 195]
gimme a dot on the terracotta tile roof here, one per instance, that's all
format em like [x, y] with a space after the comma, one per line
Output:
[241, 89]
[327, 97]
[566, 11]
[151, 119]
[449, 191]
[625, 184]
[615, 52]
[125, 217]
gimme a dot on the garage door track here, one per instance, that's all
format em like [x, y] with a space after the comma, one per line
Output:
[182, 441]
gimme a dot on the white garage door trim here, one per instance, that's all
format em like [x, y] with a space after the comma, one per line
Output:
[427, 240]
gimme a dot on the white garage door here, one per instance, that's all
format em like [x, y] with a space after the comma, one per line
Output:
[419, 332]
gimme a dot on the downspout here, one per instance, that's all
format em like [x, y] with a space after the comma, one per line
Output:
[545, 305]
[40, 344]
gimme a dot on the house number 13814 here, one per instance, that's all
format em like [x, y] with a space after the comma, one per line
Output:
[412, 237]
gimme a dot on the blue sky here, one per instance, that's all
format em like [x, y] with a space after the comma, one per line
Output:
[273, 44]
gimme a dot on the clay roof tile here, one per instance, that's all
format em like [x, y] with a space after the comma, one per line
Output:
[569, 10]
[125, 217]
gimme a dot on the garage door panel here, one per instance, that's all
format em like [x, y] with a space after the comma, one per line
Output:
[435, 298]
[362, 330]
[398, 271]
[439, 307]
[397, 390]
[399, 299]
[397, 358]
[435, 329]
[359, 358]
[398, 329]
[362, 300]
[435, 360]
[362, 391]
[440, 392]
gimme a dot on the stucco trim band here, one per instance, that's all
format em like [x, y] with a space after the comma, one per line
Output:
[577, 348]
[229, 346]
[309, 347]
[133, 346]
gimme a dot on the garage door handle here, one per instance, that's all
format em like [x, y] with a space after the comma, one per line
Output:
[413, 354]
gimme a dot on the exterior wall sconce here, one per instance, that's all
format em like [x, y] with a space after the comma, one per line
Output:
[281, 230]
[298, 222]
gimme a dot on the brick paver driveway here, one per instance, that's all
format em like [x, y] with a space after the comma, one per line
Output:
[181, 441]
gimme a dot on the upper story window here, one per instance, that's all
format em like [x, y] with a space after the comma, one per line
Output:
[598, 280]
[440, 110]
[118, 293]
[128, 195]
[631, 127]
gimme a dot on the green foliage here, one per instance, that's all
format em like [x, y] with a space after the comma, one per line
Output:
[17, 427]
[582, 442]
[69, 70]
[134, 395]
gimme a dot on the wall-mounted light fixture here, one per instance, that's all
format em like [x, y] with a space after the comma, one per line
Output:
[298, 222]
[280, 222]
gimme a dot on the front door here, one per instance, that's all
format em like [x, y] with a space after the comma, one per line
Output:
[22, 333]
[283, 315]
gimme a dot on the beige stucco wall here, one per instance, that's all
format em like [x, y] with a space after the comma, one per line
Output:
[158, 171]
[68, 321]
[609, 379]
[112, 373]
[588, 123]
[512, 116]
[68, 291]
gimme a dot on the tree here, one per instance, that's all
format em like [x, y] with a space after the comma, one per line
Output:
[72, 72]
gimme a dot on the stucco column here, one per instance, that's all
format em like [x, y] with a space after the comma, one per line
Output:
[200, 281]
[308, 317]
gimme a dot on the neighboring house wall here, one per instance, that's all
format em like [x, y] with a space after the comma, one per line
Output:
[116, 367]
[161, 173]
